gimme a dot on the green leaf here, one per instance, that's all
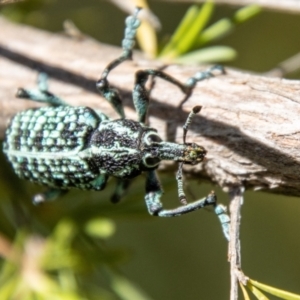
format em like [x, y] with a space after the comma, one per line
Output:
[208, 55]
[100, 228]
[226, 25]
[189, 28]
[8, 286]
[256, 292]
[217, 30]
[245, 293]
[64, 233]
[124, 288]
[246, 13]
[273, 291]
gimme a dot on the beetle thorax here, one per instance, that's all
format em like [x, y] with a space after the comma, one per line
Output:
[117, 147]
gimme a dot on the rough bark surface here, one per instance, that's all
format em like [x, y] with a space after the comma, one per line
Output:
[249, 124]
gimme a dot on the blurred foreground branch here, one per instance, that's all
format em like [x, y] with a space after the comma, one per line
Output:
[9, 1]
[249, 124]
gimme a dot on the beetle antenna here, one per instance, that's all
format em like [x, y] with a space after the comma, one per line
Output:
[188, 121]
[181, 194]
[186, 125]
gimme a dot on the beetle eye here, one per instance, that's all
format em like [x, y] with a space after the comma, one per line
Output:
[151, 162]
[193, 154]
[153, 138]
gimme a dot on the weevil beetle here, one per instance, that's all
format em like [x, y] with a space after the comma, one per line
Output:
[62, 146]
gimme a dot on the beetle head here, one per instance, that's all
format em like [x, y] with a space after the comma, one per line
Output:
[192, 154]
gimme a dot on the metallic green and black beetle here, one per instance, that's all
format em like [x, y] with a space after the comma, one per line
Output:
[62, 146]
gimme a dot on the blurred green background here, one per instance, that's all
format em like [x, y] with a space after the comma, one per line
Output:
[179, 258]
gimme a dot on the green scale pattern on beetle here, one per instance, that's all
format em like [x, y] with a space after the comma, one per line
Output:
[63, 146]
[42, 145]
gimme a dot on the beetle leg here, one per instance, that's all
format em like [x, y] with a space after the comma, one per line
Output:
[41, 94]
[155, 207]
[120, 190]
[109, 93]
[202, 75]
[141, 94]
[199, 76]
[153, 193]
[49, 195]
[100, 182]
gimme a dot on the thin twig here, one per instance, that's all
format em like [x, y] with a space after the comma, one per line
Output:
[236, 201]
[289, 65]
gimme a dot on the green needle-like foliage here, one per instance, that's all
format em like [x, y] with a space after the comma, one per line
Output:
[189, 28]
[256, 288]
[186, 42]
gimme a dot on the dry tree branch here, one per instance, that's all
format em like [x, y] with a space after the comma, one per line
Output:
[249, 124]
[289, 6]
